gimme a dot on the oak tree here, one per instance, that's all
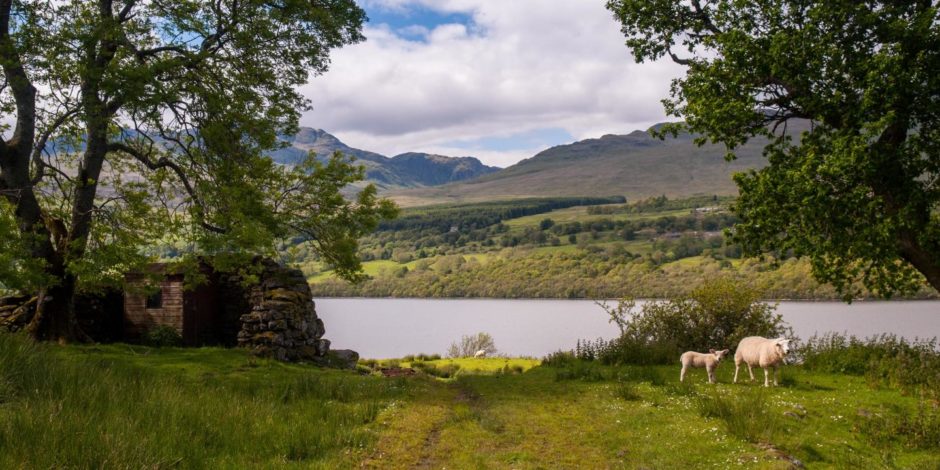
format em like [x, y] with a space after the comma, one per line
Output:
[857, 188]
[134, 123]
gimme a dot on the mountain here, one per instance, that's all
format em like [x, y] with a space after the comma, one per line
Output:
[408, 170]
[635, 165]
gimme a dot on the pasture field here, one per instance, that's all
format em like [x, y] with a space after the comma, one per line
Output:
[120, 406]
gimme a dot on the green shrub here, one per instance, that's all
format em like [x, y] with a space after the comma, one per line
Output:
[408, 358]
[559, 359]
[445, 371]
[884, 360]
[580, 370]
[717, 315]
[162, 336]
[919, 430]
[746, 414]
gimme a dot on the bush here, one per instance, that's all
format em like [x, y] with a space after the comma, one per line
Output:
[162, 336]
[884, 360]
[559, 359]
[445, 371]
[920, 430]
[580, 370]
[469, 345]
[717, 315]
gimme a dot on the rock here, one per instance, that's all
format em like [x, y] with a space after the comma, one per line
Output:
[344, 358]
[323, 347]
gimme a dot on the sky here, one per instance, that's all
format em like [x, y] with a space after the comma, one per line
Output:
[499, 80]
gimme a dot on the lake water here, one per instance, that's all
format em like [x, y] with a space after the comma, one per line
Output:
[384, 328]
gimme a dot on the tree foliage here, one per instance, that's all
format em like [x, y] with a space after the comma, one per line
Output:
[141, 120]
[858, 189]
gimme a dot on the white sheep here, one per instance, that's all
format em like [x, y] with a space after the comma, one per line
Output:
[481, 353]
[709, 361]
[763, 352]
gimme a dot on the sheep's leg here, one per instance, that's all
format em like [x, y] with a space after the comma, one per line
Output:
[776, 375]
[711, 374]
[751, 372]
[766, 377]
[682, 374]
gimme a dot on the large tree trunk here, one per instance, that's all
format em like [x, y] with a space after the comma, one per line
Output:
[55, 314]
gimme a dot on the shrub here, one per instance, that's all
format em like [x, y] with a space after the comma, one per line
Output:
[162, 336]
[559, 359]
[716, 315]
[408, 358]
[469, 345]
[919, 430]
[580, 370]
[445, 371]
[884, 360]
[747, 414]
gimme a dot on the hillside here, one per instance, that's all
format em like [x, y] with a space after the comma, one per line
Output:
[635, 165]
[408, 170]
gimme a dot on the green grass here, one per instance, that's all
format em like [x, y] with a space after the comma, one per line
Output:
[122, 406]
[580, 214]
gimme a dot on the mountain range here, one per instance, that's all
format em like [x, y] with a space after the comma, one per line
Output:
[408, 170]
[634, 165]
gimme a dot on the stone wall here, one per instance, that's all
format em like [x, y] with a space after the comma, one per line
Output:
[282, 321]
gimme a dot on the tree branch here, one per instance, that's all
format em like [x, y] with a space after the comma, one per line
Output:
[164, 162]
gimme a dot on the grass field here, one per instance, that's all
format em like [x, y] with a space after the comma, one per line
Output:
[124, 406]
[580, 214]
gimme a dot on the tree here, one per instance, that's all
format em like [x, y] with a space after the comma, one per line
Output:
[858, 190]
[143, 121]
[470, 345]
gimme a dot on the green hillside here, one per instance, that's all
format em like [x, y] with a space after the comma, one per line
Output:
[636, 165]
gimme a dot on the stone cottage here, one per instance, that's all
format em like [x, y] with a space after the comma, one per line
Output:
[273, 316]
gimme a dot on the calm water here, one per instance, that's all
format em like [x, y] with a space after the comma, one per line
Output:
[382, 328]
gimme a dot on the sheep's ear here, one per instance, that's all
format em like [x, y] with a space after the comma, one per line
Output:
[711, 351]
[726, 351]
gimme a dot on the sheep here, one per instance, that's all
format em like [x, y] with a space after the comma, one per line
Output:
[764, 352]
[709, 361]
[480, 354]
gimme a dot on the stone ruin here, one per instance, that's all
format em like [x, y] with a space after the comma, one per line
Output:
[274, 316]
[281, 319]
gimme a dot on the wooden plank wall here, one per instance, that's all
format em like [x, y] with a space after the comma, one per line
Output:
[138, 318]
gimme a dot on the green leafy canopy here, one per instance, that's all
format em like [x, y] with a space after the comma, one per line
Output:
[848, 94]
[146, 122]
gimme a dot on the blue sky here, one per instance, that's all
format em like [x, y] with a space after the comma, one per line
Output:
[500, 80]
[403, 20]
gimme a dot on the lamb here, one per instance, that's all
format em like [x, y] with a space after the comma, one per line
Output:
[696, 359]
[764, 352]
[481, 353]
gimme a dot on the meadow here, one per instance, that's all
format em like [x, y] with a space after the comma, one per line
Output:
[122, 406]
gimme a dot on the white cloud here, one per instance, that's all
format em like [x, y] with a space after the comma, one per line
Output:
[522, 65]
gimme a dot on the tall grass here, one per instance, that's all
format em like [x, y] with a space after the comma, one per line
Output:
[58, 412]
[746, 414]
[884, 360]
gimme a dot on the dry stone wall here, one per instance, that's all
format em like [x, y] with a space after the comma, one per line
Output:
[282, 320]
